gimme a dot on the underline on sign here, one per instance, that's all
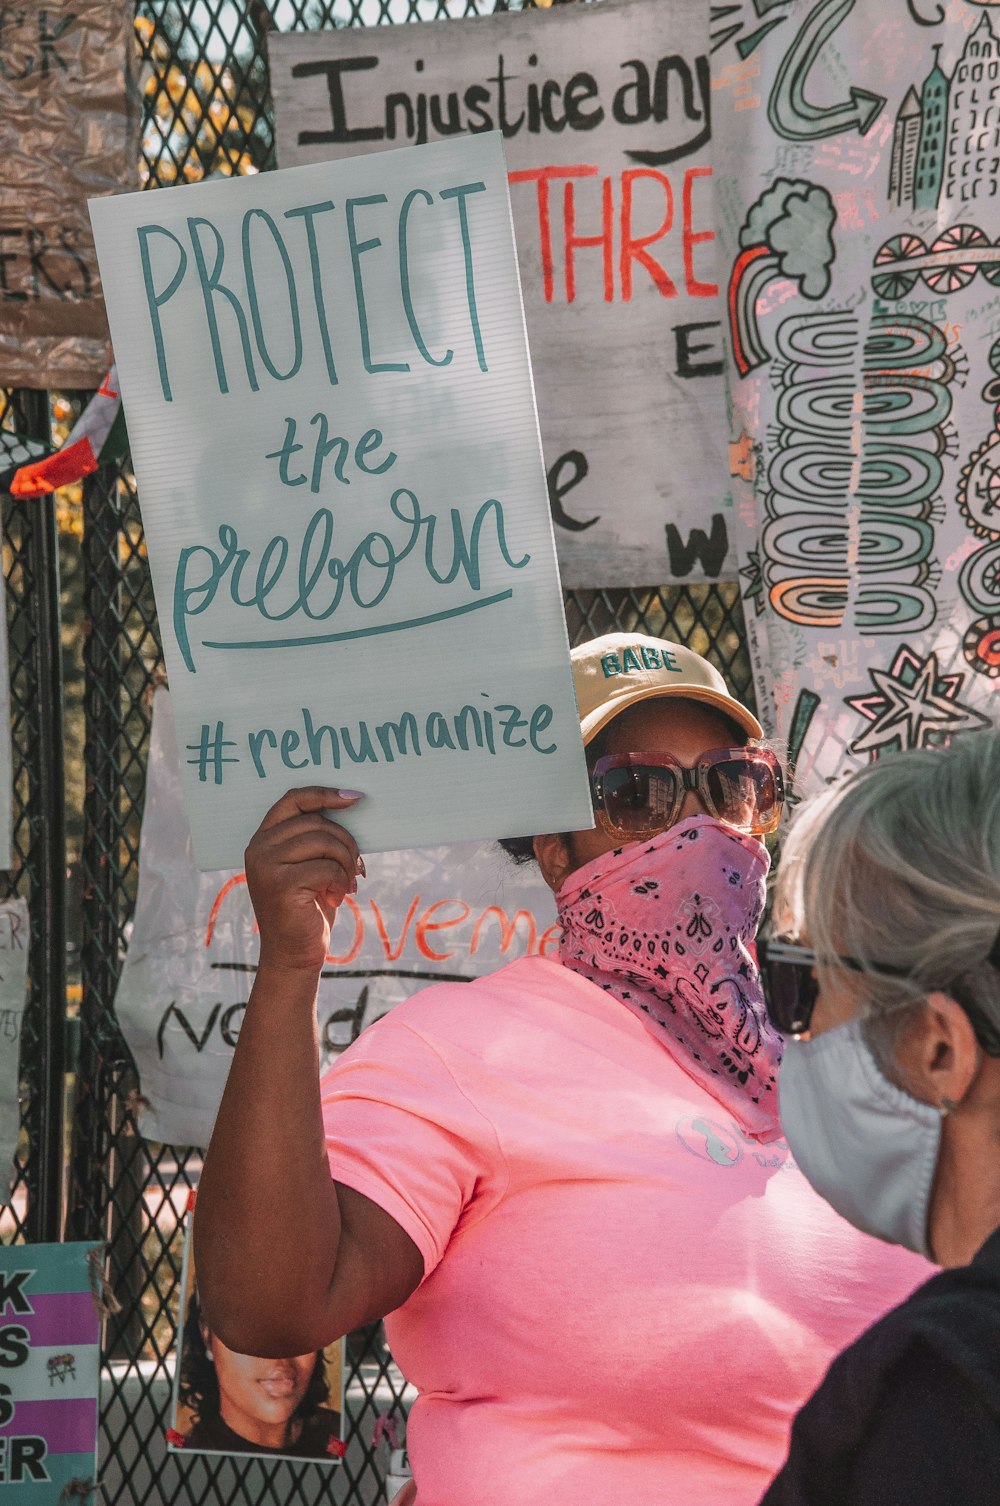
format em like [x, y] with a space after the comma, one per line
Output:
[371, 632]
[360, 972]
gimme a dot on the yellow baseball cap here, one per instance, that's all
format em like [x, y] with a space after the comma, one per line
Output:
[619, 669]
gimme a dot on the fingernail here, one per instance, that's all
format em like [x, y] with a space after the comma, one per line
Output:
[351, 794]
[360, 867]
[354, 886]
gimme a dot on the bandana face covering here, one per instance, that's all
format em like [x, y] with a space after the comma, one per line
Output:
[665, 925]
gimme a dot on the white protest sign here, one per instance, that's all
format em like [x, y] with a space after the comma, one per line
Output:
[605, 112]
[6, 757]
[13, 977]
[421, 916]
[329, 401]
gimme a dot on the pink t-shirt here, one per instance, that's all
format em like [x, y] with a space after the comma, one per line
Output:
[624, 1298]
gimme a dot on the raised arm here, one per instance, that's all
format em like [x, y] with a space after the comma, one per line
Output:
[287, 1259]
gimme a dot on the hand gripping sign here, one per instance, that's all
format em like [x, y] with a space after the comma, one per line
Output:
[425, 915]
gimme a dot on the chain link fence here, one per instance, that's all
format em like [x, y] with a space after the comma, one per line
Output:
[82, 673]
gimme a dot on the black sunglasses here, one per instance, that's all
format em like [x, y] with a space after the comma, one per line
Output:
[791, 988]
[788, 978]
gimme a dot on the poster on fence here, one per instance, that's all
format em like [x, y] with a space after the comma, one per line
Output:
[14, 940]
[225, 1402]
[326, 382]
[6, 756]
[51, 1370]
[424, 915]
[68, 130]
[605, 114]
[857, 160]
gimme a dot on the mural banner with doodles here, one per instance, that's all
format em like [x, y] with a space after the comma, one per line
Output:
[193, 947]
[858, 215]
[604, 112]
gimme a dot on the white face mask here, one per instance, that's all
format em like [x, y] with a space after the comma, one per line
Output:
[867, 1147]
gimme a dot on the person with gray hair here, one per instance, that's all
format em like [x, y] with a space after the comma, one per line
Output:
[890, 1101]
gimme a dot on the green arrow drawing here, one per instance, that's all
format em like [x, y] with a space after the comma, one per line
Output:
[806, 707]
[788, 110]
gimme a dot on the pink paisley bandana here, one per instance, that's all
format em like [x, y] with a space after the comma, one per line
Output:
[665, 927]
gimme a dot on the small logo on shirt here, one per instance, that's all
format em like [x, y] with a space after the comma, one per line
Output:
[775, 1155]
[710, 1141]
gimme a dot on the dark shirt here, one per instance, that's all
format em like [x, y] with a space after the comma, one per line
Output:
[319, 1430]
[909, 1415]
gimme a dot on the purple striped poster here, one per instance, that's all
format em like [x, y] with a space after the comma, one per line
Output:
[50, 1335]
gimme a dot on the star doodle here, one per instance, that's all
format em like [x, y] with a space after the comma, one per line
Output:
[914, 706]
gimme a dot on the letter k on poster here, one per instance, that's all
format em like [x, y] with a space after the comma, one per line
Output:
[329, 399]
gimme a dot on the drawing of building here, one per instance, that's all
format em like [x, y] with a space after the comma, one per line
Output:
[946, 143]
[933, 128]
[972, 154]
[905, 142]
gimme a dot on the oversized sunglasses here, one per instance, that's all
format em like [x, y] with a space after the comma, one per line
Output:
[637, 795]
[788, 978]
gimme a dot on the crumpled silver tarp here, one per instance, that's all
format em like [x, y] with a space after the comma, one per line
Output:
[68, 131]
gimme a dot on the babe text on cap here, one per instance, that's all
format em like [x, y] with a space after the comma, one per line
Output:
[619, 669]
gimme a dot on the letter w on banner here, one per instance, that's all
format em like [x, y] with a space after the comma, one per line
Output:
[425, 915]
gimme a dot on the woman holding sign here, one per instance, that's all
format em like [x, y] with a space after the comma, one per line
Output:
[566, 1182]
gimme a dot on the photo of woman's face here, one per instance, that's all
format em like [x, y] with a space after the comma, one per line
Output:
[258, 1397]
